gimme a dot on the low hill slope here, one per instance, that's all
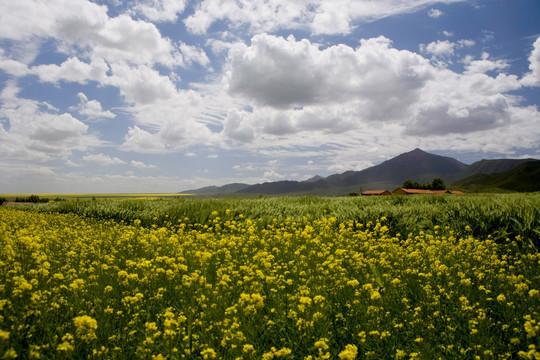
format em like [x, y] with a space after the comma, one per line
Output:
[416, 165]
[523, 178]
[487, 167]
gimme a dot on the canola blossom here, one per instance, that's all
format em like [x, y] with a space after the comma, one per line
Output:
[240, 288]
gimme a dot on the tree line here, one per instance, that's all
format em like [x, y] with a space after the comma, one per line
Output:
[436, 184]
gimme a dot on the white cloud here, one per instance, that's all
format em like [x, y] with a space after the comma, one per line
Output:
[70, 18]
[72, 70]
[91, 39]
[139, 140]
[236, 126]
[123, 39]
[484, 65]
[533, 77]
[318, 16]
[92, 108]
[159, 10]
[103, 159]
[12, 67]
[439, 48]
[283, 72]
[37, 131]
[435, 13]
[272, 174]
[141, 84]
[295, 88]
[465, 43]
[141, 165]
[193, 54]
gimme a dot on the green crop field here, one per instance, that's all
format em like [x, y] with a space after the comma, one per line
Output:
[420, 277]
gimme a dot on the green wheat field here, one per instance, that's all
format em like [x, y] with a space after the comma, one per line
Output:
[419, 277]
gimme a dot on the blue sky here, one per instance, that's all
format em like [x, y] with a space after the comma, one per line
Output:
[168, 95]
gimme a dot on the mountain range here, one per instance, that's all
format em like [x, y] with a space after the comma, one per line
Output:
[417, 166]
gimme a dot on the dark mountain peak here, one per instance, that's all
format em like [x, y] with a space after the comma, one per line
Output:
[524, 178]
[313, 179]
[416, 165]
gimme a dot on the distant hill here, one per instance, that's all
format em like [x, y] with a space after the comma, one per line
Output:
[218, 190]
[417, 166]
[523, 178]
[286, 187]
[487, 167]
[313, 179]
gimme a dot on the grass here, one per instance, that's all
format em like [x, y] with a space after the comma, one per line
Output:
[291, 278]
[497, 215]
[234, 288]
[119, 196]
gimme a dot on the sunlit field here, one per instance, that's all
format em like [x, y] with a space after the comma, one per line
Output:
[119, 196]
[253, 282]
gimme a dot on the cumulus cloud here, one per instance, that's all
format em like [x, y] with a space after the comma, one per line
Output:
[237, 127]
[484, 65]
[92, 108]
[12, 67]
[139, 140]
[159, 10]
[532, 78]
[37, 130]
[72, 70]
[435, 13]
[104, 160]
[92, 39]
[318, 16]
[141, 165]
[444, 48]
[273, 174]
[69, 18]
[283, 72]
[296, 87]
[141, 84]
[439, 48]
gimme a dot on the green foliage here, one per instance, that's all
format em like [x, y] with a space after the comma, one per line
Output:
[501, 216]
[231, 287]
[31, 199]
[436, 184]
[523, 178]
[2, 200]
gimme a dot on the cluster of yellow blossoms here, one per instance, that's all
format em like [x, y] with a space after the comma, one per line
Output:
[234, 288]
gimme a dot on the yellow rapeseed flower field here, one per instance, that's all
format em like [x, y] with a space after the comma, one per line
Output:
[239, 288]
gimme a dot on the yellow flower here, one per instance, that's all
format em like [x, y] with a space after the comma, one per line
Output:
[67, 343]
[375, 295]
[283, 352]
[85, 327]
[501, 298]
[208, 354]
[349, 353]
[10, 354]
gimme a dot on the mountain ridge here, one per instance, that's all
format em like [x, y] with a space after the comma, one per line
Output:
[416, 165]
[522, 178]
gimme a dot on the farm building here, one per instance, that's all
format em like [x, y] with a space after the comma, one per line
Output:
[402, 191]
[376, 192]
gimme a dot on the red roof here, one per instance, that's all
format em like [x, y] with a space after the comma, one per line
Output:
[420, 191]
[376, 192]
[423, 191]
